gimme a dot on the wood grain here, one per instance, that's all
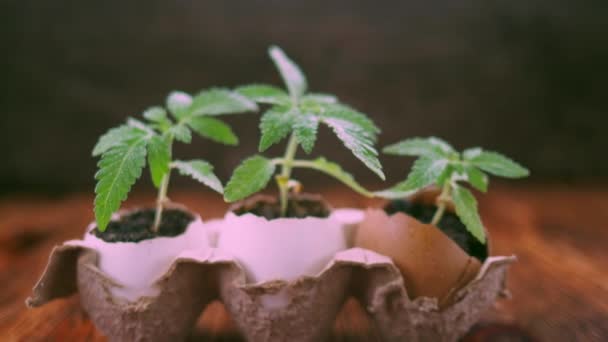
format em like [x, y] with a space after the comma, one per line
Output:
[559, 285]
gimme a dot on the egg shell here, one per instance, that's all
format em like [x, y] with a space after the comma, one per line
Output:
[432, 265]
[136, 265]
[167, 305]
[282, 248]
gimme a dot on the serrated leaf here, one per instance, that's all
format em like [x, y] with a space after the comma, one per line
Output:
[305, 129]
[159, 157]
[201, 171]
[140, 125]
[357, 141]
[426, 171]
[178, 103]
[495, 163]
[213, 129]
[275, 125]
[334, 170]
[262, 93]
[219, 101]
[320, 98]
[466, 209]
[420, 147]
[346, 113]
[155, 114]
[119, 168]
[476, 178]
[181, 133]
[250, 177]
[290, 72]
[116, 136]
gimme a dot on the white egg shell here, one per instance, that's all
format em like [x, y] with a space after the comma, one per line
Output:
[137, 265]
[283, 248]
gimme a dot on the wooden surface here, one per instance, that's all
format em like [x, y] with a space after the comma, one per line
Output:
[559, 285]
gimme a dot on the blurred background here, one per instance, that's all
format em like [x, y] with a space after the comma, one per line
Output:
[527, 78]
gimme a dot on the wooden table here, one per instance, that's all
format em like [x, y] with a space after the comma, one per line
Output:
[559, 285]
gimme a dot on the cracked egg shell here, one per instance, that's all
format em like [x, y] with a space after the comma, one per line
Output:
[431, 264]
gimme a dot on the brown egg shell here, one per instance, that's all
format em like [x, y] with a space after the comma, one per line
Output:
[431, 264]
[424, 304]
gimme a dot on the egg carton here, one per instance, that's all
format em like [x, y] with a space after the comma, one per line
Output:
[299, 310]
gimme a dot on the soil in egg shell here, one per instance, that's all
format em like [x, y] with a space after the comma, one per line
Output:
[299, 206]
[136, 226]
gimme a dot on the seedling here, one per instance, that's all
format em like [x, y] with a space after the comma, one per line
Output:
[298, 114]
[123, 149]
[439, 164]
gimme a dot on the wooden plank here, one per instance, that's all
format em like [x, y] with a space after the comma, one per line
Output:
[559, 285]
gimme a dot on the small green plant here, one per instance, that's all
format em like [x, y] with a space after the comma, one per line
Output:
[298, 114]
[123, 149]
[439, 164]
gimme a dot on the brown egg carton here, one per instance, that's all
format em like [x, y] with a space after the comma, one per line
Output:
[307, 312]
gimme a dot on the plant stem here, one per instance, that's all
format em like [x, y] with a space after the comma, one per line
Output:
[282, 181]
[160, 201]
[442, 201]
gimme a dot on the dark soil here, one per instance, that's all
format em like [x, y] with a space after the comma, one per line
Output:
[450, 225]
[299, 206]
[137, 226]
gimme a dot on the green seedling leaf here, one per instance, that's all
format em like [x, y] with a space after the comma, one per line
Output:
[320, 98]
[292, 75]
[275, 125]
[140, 125]
[178, 103]
[181, 133]
[115, 137]
[250, 177]
[466, 209]
[426, 171]
[159, 157]
[201, 171]
[119, 168]
[334, 170]
[345, 113]
[420, 147]
[155, 114]
[440, 164]
[220, 101]
[357, 141]
[305, 128]
[262, 93]
[477, 178]
[495, 163]
[213, 129]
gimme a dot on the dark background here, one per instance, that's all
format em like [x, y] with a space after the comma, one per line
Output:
[527, 78]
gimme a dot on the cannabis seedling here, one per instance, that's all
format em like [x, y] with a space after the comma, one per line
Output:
[439, 164]
[298, 114]
[123, 149]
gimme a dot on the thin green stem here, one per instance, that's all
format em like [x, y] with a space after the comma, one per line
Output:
[160, 201]
[287, 165]
[442, 202]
